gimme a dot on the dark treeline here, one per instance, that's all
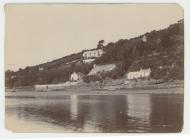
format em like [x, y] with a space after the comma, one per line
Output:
[157, 48]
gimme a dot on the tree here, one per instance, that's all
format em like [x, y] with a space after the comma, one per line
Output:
[100, 44]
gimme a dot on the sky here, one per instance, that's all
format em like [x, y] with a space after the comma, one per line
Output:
[39, 33]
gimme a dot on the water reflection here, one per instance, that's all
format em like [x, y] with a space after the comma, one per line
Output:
[139, 111]
[73, 107]
[97, 113]
[139, 106]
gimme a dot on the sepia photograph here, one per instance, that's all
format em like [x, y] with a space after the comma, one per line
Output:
[94, 68]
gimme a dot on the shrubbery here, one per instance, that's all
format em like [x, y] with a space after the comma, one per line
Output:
[88, 79]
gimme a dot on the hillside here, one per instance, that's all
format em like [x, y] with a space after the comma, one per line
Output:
[162, 51]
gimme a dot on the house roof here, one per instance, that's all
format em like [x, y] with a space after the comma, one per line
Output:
[101, 68]
[95, 49]
[77, 72]
[136, 66]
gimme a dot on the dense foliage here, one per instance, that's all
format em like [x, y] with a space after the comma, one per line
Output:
[161, 48]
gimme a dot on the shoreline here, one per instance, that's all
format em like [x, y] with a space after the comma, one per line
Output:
[34, 94]
[116, 87]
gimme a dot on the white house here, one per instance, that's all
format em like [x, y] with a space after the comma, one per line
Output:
[40, 68]
[144, 38]
[13, 76]
[142, 73]
[91, 55]
[76, 76]
[88, 60]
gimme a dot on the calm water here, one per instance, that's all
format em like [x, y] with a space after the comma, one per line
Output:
[95, 113]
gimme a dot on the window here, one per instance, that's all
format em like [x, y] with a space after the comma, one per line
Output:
[85, 55]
